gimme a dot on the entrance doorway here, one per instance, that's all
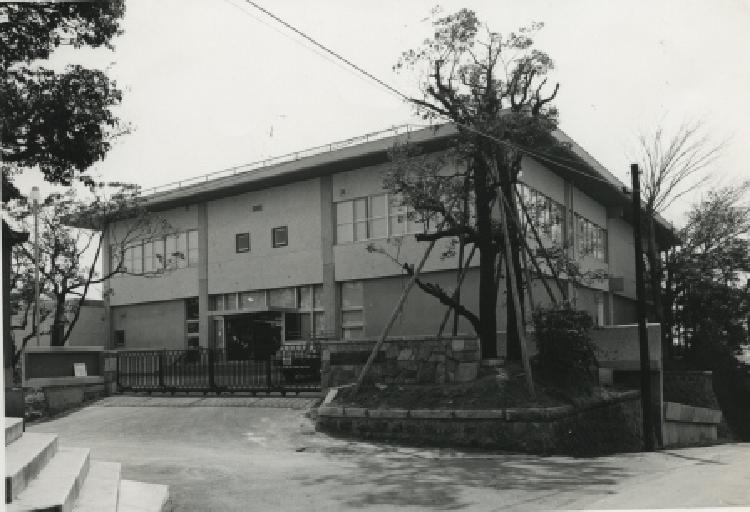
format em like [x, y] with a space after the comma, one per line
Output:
[254, 336]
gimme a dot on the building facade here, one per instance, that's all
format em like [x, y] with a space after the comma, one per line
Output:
[280, 252]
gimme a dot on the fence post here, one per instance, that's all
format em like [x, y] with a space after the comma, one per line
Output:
[161, 368]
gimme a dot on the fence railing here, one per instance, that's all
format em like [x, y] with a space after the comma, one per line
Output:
[293, 368]
[288, 157]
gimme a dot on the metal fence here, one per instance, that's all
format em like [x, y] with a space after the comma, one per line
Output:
[294, 368]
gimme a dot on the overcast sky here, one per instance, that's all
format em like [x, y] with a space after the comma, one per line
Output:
[210, 84]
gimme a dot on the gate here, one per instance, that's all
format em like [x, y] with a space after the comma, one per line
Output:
[294, 368]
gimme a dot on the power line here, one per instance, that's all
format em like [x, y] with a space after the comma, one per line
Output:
[536, 154]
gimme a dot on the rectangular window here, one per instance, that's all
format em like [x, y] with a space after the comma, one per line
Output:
[352, 311]
[181, 251]
[192, 323]
[253, 300]
[137, 259]
[148, 257]
[159, 258]
[242, 242]
[170, 252]
[378, 216]
[547, 214]
[127, 264]
[344, 222]
[280, 236]
[119, 338]
[192, 244]
[283, 297]
[396, 216]
[591, 240]
[360, 219]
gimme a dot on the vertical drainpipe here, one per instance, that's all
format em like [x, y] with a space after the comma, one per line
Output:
[330, 291]
[106, 258]
[203, 324]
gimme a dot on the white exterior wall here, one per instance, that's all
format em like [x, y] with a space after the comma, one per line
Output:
[296, 206]
[171, 284]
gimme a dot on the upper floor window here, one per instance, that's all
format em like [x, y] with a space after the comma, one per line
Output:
[547, 214]
[178, 250]
[590, 239]
[373, 217]
[280, 236]
[242, 242]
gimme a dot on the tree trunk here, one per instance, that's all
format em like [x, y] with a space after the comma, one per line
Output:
[487, 254]
[56, 334]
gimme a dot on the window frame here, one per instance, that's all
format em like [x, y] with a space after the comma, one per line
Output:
[280, 229]
[237, 248]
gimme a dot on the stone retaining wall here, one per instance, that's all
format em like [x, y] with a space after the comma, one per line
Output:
[607, 426]
[402, 360]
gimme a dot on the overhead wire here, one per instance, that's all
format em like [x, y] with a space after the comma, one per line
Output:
[554, 160]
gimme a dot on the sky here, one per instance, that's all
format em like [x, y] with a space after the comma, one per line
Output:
[210, 84]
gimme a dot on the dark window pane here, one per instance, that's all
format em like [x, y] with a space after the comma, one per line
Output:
[280, 238]
[242, 242]
[192, 308]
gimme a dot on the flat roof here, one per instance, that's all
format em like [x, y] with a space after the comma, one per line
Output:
[572, 163]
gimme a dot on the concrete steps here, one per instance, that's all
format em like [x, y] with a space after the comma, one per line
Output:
[44, 477]
[56, 487]
[13, 429]
[100, 491]
[24, 459]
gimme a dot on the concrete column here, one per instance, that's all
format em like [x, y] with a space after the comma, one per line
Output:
[327, 233]
[203, 322]
[106, 257]
[570, 231]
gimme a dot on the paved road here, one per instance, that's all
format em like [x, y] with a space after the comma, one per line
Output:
[256, 455]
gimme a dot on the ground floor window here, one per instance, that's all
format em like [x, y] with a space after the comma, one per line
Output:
[352, 310]
[192, 323]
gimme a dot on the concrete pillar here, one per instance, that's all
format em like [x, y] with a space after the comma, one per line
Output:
[327, 233]
[203, 319]
[570, 232]
[106, 256]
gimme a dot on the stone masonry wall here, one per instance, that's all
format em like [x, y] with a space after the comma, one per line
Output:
[597, 428]
[402, 360]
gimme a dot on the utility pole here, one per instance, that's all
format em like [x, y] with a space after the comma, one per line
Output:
[647, 409]
[34, 196]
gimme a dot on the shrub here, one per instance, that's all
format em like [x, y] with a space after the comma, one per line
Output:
[565, 353]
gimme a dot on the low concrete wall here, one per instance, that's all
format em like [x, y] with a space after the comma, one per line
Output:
[596, 428]
[50, 385]
[402, 360]
[686, 425]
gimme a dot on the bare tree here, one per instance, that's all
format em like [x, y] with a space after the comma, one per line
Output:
[673, 166]
[69, 255]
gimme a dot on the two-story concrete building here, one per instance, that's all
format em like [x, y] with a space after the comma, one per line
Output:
[279, 249]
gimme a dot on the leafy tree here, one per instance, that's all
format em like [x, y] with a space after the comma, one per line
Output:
[493, 88]
[706, 292]
[59, 122]
[66, 266]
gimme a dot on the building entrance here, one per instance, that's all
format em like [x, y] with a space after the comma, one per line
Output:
[254, 336]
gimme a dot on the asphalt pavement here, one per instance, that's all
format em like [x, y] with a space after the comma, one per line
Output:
[246, 454]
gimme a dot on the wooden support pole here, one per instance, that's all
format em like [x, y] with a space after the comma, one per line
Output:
[394, 315]
[539, 241]
[461, 276]
[511, 280]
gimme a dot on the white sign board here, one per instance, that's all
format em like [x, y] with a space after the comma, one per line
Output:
[79, 369]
